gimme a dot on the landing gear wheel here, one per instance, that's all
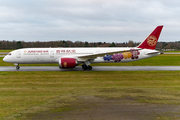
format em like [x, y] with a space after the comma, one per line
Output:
[17, 67]
[84, 67]
[89, 67]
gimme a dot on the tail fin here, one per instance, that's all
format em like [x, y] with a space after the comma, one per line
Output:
[151, 41]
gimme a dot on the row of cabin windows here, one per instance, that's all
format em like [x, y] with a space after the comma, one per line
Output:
[52, 54]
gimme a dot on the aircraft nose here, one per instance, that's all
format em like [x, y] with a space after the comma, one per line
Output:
[7, 59]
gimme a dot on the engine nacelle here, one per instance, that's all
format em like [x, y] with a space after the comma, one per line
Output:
[67, 62]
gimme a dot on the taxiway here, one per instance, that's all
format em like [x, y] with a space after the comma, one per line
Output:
[95, 68]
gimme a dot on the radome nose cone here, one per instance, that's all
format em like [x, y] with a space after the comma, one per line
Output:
[4, 59]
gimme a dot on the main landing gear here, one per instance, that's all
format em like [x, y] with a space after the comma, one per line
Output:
[85, 67]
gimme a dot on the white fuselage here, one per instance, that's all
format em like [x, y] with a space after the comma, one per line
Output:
[71, 57]
[52, 55]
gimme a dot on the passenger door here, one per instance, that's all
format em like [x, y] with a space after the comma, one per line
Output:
[18, 54]
[51, 54]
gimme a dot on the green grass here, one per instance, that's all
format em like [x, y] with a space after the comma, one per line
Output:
[24, 93]
[5, 51]
[161, 60]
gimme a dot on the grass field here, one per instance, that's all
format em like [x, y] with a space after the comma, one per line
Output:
[2, 51]
[25, 93]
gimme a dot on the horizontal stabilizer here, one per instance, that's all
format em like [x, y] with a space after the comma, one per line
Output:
[151, 53]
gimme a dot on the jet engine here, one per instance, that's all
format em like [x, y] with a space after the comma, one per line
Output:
[67, 62]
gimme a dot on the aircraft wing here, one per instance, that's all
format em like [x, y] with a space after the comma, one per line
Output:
[102, 54]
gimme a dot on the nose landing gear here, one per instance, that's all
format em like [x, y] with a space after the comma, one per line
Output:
[17, 66]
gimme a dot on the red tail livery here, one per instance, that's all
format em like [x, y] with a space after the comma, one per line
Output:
[151, 41]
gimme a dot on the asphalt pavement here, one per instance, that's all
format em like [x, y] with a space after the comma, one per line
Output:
[95, 68]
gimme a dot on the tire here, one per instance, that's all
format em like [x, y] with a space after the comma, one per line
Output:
[84, 67]
[89, 67]
[17, 67]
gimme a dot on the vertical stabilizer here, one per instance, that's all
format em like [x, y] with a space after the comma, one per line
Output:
[151, 41]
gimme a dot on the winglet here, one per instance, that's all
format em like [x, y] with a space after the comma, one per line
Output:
[151, 41]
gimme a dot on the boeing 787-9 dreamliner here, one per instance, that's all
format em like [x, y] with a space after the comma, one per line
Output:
[71, 57]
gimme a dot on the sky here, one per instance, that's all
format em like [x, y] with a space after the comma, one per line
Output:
[88, 20]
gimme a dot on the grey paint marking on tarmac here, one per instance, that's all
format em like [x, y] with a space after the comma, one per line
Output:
[95, 68]
[172, 53]
[3, 53]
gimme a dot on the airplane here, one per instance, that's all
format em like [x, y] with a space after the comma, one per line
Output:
[71, 57]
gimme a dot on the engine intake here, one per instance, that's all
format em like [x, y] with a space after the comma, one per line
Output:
[67, 62]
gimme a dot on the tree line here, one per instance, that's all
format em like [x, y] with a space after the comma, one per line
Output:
[11, 45]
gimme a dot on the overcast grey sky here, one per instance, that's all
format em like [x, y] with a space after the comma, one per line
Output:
[88, 20]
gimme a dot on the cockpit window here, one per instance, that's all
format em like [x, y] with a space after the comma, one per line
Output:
[9, 54]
